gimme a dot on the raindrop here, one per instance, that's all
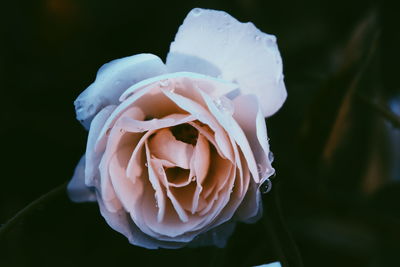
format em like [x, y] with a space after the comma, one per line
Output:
[225, 105]
[91, 109]
[266, 186]
[156, 198]
[196, 12]
[271, 156]
[164, 83]
[129, 95]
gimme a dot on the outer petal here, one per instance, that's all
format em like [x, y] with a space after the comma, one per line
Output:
[214, 43]
[121, 222]
[253, 124]
[112, 80]
[273, 264]
[93, 157]
[77, 190]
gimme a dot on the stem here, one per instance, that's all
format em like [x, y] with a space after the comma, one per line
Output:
[286, 248]
[34, 205]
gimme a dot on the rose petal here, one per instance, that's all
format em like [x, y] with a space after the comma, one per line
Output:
[121, 223]
[135, 165]
[185, 80]
[93, 157]
[201, 114]
[150, 101]
[112, 80]
[234, 130]
[163, 145]
[77, 189]
[253, 124]
[214, 43]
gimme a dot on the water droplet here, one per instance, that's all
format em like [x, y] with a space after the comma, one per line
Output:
[156, 198]
[129, 95]
[266, 186]
[225, 105]
[193, 178]
[196, 12]
[91, 109]
[271, 156]
[164, 83]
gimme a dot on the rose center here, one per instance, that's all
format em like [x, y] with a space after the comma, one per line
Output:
[185, 133]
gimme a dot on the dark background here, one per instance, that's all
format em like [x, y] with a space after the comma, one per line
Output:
[336, 140]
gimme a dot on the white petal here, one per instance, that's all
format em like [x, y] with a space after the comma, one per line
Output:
[77, 189]
[253, 124]
[112, 80]
[273, 264]
[214, 43]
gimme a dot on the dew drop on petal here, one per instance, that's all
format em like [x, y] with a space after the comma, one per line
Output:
[271, 156]
[91, 109]
[266, 186]
[225, 105]
[196, 12]
[156, 198]
[164, 83]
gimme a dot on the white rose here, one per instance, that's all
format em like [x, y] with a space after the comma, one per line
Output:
[176, 152]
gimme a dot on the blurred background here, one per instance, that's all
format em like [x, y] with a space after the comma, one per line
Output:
[336, 196]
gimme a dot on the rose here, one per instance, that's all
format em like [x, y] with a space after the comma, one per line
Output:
[176, 153]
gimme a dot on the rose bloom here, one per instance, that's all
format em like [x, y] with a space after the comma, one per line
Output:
[176, 152]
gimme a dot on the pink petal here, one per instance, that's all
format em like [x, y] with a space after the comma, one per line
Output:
[234, 130]
[163, 145]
